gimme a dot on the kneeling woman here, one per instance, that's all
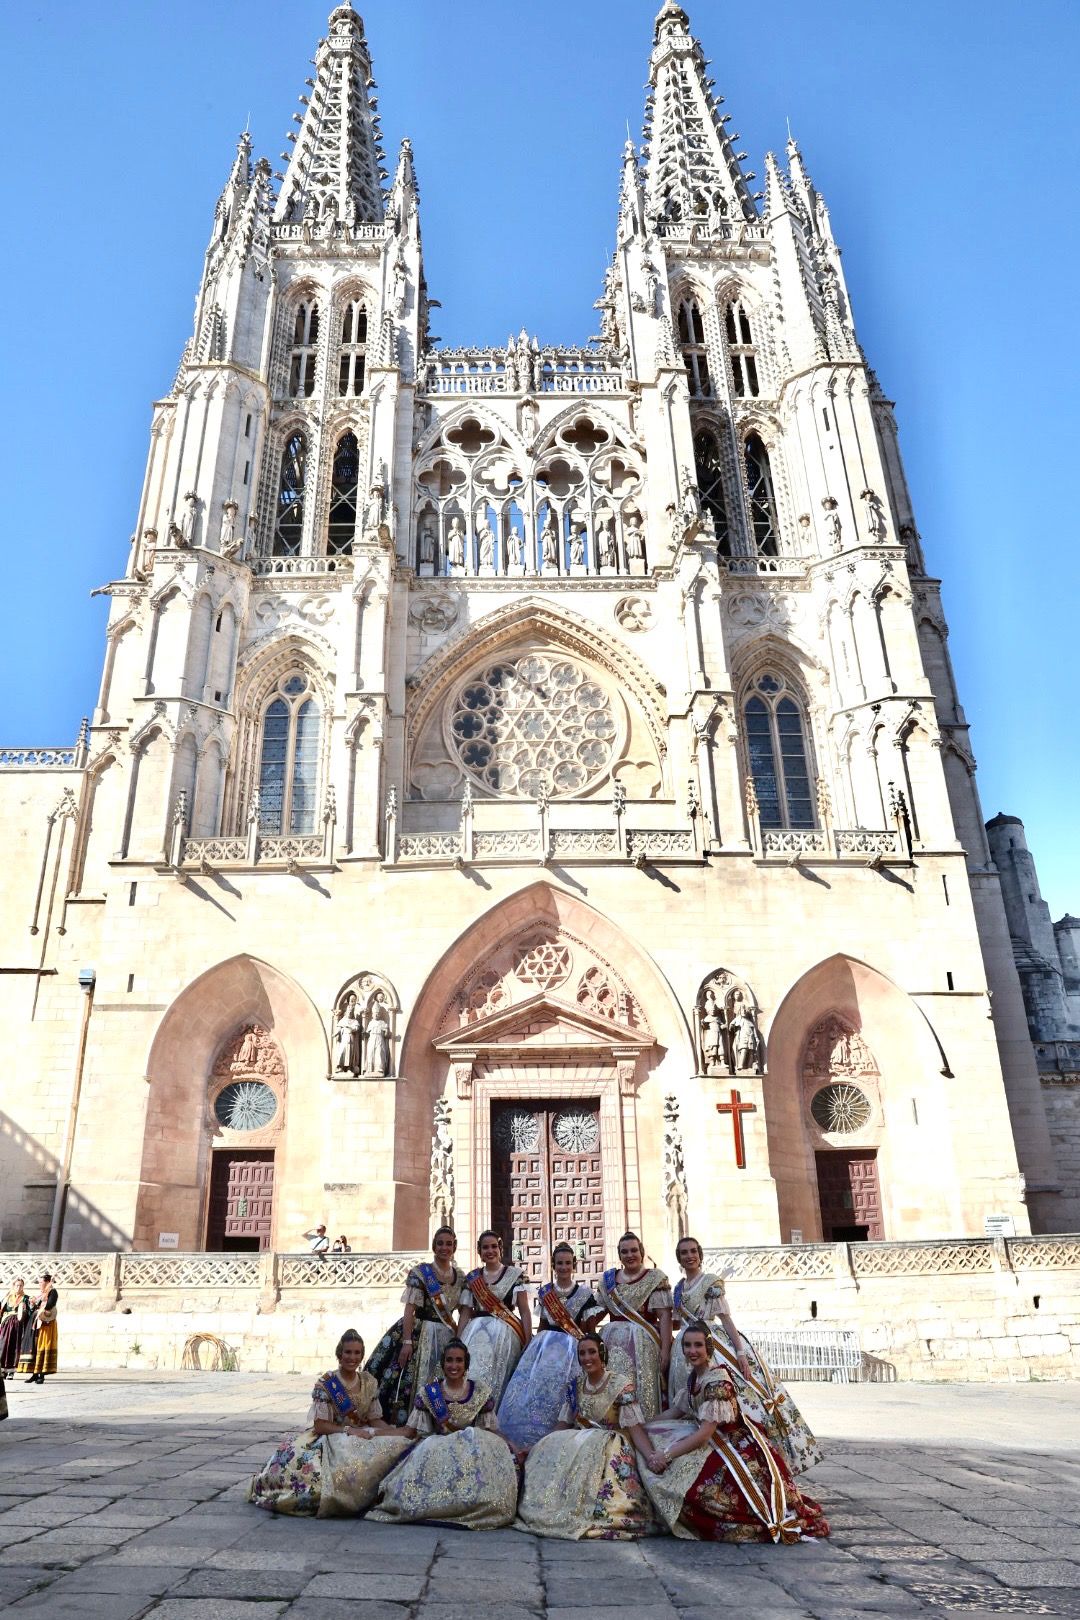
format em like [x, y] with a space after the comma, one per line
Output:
[582, 1480]
[462, 1473]
[537, 1390]
[337, 1465]
[715, 1477]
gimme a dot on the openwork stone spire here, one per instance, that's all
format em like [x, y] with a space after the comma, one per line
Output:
[336, 168]
[692, 172]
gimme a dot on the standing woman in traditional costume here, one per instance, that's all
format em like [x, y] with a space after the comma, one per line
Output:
[462, 1473]
[582, 1480]
[407, 1355]
[496, 1323]
[637, 1298]
[537, 1390]
[713, 1475]
[14, 1310]
[46, 1332]
[700, 1296]
[335, 1467]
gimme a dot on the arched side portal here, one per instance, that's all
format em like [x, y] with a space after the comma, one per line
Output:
[241, 1030]
[547, 1034]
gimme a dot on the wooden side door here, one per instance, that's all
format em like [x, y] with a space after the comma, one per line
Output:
[850, 1196]
[547, 1183]
[241, 1200]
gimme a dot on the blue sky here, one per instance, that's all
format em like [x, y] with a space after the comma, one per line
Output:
[944, 137]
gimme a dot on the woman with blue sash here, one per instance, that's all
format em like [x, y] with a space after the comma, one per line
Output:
[583, 1481]
[637, 1299]
[700, 1296]
[496, 1322]
[407, 1355]
[462, 1473]
[337, 1465]
[536, 1391]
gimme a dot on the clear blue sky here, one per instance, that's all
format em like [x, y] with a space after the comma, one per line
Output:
[944, 136]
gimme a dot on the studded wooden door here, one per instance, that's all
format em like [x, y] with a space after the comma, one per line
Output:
[850, 1196]
[241, 1200]
[547, 1183]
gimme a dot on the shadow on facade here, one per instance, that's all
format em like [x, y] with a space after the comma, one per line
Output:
[29, 1172]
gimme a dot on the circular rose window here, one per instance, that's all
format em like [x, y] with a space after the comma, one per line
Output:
[246, 1105]
[533, 725]
[841, 1108]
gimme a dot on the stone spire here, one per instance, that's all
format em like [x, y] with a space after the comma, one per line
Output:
[236, 189]
[692, 171]
[336, 168]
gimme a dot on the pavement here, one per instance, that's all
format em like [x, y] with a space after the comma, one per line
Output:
[121, 1496]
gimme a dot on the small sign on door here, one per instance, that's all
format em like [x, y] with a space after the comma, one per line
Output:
[168, 1240]
[999, 1226]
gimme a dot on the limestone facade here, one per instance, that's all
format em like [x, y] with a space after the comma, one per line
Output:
[505, 757]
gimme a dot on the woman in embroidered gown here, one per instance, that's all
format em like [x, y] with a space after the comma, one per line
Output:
[713, 1475]
[462, 1473]
[337, 1465]
[700, 1297]
[407, 1356]
[46, 1337]
[13, 1312]
[496, 1323]
[582, 1480]
[537, 1390]
[637, 1298]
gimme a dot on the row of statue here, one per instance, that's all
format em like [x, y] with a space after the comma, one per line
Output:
[486, 552]
[729, 1041]
[363, 1030]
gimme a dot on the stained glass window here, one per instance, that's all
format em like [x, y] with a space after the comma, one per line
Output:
[777, 755]
[289, 761]
[246, 1105]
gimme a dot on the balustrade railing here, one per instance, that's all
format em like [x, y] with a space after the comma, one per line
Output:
[485, 371]
[841, 843]
[301, 565]
[257, 849]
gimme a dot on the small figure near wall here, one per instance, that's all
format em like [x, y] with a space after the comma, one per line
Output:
[347, 1038]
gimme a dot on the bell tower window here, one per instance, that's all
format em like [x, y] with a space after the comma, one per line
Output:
[289, 759]
[740, 340]
[304, 351]
[289, 517]
[353, 357]
[710, 477]
[692, 343]
[763, 525]
[343, 487]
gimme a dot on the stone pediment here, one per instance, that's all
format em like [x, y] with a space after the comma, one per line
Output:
[544, 1023]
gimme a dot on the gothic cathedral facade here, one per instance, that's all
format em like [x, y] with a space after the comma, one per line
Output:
[527, 785]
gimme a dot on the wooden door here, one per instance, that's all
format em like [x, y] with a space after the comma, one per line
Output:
[547, 1183]
[241, 1200]
[850, 1196]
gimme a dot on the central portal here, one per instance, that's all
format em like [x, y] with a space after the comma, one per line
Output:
[547, 1182]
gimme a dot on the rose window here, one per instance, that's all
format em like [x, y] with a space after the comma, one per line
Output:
[533, 726]
[576, 1131]
[517, 1131]
[246, 1105]
[841, 1108]
[543, 962]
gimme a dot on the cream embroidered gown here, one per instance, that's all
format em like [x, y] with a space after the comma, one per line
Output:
[584, 1482]
[494, 1347]
[329, 1475]
[630, 1344]
[461, 1472]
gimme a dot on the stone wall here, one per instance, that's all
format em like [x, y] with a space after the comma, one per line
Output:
[1061, 1099]
[960, 1309]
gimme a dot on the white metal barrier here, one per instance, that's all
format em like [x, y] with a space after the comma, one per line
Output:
[814, 1355]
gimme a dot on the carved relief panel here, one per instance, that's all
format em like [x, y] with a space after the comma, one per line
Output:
[246, 1090]
[364, 1029]
[841, 1082]
[726, 1018]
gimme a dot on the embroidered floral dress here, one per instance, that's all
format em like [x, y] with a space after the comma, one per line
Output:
[13, 1313]
[770, 1405]
[434, 1303]
[494, 1346]
[734, 1487]
[584, 1482]
[460, 1473]
[530, 1407]
[635, 1344]
[330, 1475]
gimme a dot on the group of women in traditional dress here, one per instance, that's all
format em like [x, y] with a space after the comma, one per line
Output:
[462, 1417]
[29, 1335]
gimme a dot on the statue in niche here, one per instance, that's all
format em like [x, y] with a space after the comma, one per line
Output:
[530, 419]
[442, 1166]
[247, 1053]
[712, 1034]
[455, 545]
[346, 1058]
[635, 538]
[577, 543]
[379, 503]
[549, 542]
[400, 285]
[377, 1037]
[428, 539]
[833, 523]
[745, 1040]
[675, 1195]
[147, 552]
[875, 514]
[228, 543]
[728, 1037]
[517, 547]
[190, 518]
[485, 544]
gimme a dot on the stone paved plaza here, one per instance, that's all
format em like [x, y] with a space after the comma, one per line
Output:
[122, 1497]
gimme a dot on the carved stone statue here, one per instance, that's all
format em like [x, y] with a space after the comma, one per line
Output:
[455, 545]
[875, 514]
[727, 1025]
[712, 1035]
[635, 538]
[228, 542]
[442, 1166]
[190, 518]
[377, 1037]
[400, 285]
[247, 1053]
[577, 543]
[346, 1057]
[379, 502]
[485, 544]
[530, 419]
[428, 539]
[675, 1195]
[745, 1040]
[833, 524]
[147, 553]
[549, 542]
[516, 546]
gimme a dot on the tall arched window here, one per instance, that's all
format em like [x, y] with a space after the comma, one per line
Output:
[777, 753]
[343, 485]
[353, 356]
[759, 484]
[740, 339]
[304, 351]
[289, 517]
[692, 342]
[289, 759]
[710, 479]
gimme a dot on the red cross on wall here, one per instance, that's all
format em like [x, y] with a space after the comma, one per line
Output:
[737, 1108]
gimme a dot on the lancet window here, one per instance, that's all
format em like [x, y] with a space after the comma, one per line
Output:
[344, 480]
[695, 356]
[777, 753]
[304, 350]
[759, 487]
[289, 758]
[352, 359]
[289, 512]
[710, 478]
[740, 340]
